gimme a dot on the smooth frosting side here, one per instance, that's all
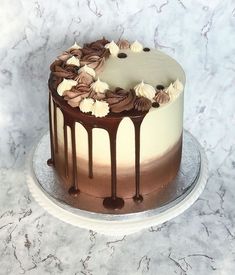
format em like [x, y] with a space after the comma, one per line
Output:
[160, 131]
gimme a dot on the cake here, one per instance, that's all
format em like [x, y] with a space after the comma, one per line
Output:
[116, 124]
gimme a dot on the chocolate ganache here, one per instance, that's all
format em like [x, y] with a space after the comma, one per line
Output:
[79, 90]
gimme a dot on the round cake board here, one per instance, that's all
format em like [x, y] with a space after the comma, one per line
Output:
[120, 224]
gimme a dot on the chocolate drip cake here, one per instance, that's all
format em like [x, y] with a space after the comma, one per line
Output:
[116, 122]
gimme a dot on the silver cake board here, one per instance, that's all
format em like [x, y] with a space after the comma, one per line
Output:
[190, 182]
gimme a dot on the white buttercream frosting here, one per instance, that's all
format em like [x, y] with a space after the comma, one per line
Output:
[86, 105]
[175, 89]
[100, 108]
[113, 48]
[75, 46]
[88, 70]
[145, 90]
[136, 46]
[73, 61]
[65, 85]
[99, 86]
[178, 85]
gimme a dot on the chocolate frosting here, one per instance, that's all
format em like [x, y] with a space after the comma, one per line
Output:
[121, 100]
[60, 69]
[69, 53]
[84, 78]
[161, 97]
[96, 48]
[93, 61]
[142, 104]
[123, 44]
[76, 94]
[97, 96]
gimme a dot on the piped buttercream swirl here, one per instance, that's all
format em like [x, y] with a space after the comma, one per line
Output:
[96, 48]
[142, 104]
[93, 61]
[61, 70]
[84, 78]
[123, 44]
[76, 94]
[162, 97]
[121, 100]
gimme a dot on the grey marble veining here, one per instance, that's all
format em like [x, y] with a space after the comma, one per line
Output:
[200, 35]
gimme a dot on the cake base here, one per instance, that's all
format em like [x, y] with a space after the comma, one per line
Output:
[89, 212]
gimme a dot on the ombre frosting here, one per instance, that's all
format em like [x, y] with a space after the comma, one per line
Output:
[116, 124]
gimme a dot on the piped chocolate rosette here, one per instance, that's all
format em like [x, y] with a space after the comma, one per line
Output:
[75, 76]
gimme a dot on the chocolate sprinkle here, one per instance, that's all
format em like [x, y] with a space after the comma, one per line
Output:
[155, 104]
[146, 49]
[160, 87]
[122, 55]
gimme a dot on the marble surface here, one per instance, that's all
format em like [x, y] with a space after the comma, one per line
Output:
[200, 35]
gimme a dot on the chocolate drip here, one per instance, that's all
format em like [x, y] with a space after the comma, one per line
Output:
[110, 123]
[74, 188]
[66, 150]
[90, 152]
[55, 126]
[113, 202]
[137, 124]
[50, 161]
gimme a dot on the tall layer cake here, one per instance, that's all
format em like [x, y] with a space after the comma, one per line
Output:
[116, 122]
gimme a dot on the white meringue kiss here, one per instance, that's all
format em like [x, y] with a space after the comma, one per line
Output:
[86, 105]
[113, 48]
[99, 86]
[73, 61]
[145, 90]
[75, 46]
[136, 47]
[88, 70]
[65, 85]
[175, 89]
[100, 108]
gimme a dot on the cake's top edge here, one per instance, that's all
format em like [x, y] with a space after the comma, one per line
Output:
[79, 73]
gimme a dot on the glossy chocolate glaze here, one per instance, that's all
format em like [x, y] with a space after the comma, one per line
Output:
[109, 123]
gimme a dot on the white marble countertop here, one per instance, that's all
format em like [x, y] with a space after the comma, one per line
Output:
[200, 35]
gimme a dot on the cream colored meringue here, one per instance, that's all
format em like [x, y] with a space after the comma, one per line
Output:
[88, 70]
[99, 86]
[178, 85]
[100, 108]
[86, 105]
[73, 61]
[136, 47]
[170, 90]
[75, 46]
[145, 90]
[65, 85]
[174, 89]
[113, 48]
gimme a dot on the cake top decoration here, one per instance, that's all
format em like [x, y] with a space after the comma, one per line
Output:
[77, 72]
